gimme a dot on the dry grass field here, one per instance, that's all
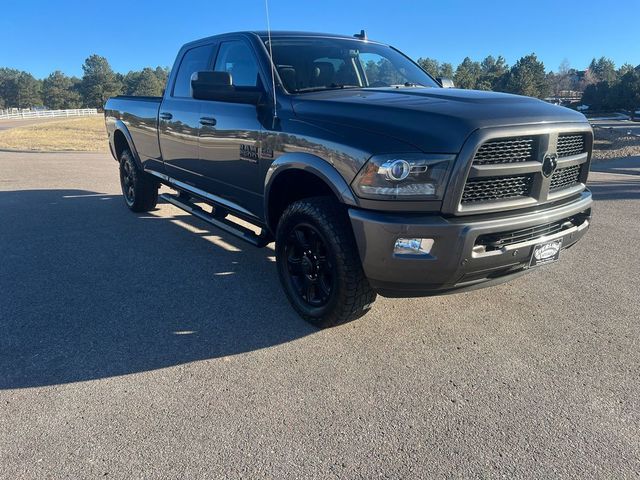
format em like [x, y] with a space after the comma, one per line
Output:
[85, 134]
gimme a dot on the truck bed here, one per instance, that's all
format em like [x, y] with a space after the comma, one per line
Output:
[140, 115]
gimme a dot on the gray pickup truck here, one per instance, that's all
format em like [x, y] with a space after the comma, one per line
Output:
[370, 177]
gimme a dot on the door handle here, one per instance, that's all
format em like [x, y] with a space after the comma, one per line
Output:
[208, 121]
[166, 116]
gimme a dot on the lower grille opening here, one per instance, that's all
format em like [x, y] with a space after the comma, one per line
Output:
[496, 241]
[496, 188]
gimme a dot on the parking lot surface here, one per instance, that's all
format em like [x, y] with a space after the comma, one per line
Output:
[148, 346]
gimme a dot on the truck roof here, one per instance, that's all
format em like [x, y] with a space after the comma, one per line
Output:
[293, 33]
[263, 34]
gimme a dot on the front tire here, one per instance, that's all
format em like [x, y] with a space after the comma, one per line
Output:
[140, 190]
[319, 265]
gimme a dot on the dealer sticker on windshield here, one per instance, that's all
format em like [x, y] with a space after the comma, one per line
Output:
[545, 253]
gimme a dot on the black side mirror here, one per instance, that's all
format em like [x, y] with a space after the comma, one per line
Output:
[445, 82]
[218, 86]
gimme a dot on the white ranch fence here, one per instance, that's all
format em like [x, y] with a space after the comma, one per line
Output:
[76, 112]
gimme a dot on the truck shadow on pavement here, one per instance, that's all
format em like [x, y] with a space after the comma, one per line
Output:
[90, 290]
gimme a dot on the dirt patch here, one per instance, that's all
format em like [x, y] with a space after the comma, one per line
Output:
[610, 144]
[86, 134]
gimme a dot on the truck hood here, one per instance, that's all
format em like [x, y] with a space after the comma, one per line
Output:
[435, 120]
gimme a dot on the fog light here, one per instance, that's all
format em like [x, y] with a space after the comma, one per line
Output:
[413, 246]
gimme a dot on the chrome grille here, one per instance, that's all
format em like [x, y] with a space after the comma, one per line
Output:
[506, 150]
[496, 188]
[506, 173]
[496, 241]
[565, 178]
[569, 145]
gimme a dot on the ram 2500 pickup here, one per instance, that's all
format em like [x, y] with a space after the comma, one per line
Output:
[370, 177]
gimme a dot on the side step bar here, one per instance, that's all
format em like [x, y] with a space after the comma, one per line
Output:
[228, 226]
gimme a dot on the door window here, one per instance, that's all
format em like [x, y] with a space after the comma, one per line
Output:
[236, 58]
[194, 60]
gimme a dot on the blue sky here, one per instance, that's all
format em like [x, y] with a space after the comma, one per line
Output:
[42, 36]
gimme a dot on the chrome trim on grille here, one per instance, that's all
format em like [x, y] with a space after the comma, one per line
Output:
[499, 240]
[477, 253]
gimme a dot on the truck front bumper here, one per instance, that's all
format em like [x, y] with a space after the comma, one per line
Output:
[460, 258]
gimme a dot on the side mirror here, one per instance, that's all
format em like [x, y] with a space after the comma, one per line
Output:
[445, 82]
[218, 86]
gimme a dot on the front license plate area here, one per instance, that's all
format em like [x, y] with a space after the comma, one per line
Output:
[544, 253]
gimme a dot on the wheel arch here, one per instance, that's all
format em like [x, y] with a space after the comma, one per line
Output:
[122, 140]
[300, 175]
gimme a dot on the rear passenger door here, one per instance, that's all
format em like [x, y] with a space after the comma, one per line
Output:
[179, 121]
[230, 157]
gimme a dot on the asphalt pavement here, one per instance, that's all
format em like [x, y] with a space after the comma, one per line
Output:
[154, 346]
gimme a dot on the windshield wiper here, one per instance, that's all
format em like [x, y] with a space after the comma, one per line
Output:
[398, 85]
[408, 84]
[333, 86]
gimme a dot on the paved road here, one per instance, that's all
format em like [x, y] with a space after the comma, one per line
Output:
[150, 346]
[627, 165]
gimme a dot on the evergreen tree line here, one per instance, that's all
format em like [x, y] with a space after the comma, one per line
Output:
[602, 85]
[20, 89]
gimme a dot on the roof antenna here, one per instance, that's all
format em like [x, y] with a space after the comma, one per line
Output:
[362, 35]
[273, 67]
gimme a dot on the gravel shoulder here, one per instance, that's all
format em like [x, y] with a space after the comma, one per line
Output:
[622, 141]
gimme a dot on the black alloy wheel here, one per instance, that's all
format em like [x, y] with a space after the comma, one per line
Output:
[127, 182]
[319, 264]
[311, 272]
[140, 190]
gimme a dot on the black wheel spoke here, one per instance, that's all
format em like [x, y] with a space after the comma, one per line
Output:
[295, 266]
[324, 285]
[310, 290]
[316, 243]
[323, 263]
[301, 241]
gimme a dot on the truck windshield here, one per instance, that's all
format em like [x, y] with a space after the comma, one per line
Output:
[312, 64]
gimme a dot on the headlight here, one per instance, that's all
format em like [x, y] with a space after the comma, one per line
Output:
[407, 176]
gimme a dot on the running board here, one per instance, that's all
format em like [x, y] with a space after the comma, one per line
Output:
[228, 226]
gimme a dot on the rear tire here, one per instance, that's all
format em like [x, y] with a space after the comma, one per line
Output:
[139, 189]
[319, 265]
